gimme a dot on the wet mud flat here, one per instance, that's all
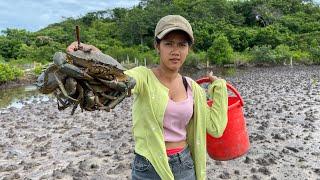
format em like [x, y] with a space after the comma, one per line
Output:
[282, 107]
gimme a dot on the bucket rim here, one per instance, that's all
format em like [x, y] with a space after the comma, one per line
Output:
[229, 87]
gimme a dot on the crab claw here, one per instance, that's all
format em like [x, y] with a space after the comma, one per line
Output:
[46, 82]
[75, 72]
[60, 59]
[130, 84]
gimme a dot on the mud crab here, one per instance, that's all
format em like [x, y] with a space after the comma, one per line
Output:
[92, 80]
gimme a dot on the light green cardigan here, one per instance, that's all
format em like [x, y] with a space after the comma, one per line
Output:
[150, 101]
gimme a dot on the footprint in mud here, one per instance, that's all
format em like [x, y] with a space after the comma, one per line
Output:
[70, 170]
[278, 136]
[257, 137]
[12, 176]
[265, 171]
[266, 161]
[225, 175]
[89, 165]
[248, 160]
[118, 168]
[317, 171]
[8, 168]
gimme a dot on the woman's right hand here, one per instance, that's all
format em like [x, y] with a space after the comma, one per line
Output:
[83, 47]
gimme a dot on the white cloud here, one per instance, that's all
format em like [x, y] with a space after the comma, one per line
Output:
[35, 14]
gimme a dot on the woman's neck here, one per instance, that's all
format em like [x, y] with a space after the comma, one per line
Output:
[166, 74]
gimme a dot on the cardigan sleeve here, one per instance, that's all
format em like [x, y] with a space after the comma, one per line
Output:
[217, 119]
[136, 74]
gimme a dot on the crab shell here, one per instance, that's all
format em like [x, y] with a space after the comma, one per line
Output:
[98, 64]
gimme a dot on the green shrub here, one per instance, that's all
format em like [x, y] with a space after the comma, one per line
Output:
[138, 52]
[241, 57]
[2, 59]
[269, 35]
[221, 51]
[314, 51]
[202, 56]
[9, 73]
[315, 55]
[263, 54]
[37, 68]
[21, 62]
[43, 41]
[301, 57]
[151, 57]
[282, 53]
[192, 59]
[121, 54]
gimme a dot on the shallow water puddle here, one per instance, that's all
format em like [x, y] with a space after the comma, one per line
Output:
[19, 97]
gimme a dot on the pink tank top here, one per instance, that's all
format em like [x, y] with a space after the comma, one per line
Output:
[177, 117]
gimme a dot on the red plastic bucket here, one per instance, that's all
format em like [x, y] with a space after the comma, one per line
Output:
[235, 140]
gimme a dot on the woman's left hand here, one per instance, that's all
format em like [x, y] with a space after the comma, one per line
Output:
[212, 77]
[83, 47]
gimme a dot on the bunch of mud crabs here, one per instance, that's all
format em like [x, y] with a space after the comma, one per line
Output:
[91, 80]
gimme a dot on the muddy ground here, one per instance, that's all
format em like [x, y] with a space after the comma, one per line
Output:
[282, 107]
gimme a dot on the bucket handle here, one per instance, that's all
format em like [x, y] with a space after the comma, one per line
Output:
[229, 86]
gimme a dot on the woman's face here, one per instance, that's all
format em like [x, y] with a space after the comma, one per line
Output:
[173, 49]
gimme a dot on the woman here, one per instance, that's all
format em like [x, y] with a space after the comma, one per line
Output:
[170, 115]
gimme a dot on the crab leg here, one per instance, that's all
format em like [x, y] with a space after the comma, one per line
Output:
[70, 86]
[112, 94]
[63, 90]
[64, 104]
[113, 103]
[86, 84]
[108, 96]
[79, 98]
[96, 99]
[89, 98]
[120, 86]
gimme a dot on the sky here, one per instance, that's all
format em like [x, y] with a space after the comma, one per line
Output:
[34, 15]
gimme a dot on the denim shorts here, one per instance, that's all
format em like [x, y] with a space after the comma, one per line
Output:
[181, 165]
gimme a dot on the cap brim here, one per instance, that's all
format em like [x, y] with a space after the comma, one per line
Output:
[165, 32]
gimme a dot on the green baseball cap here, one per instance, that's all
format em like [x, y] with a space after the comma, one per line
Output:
[170, 23]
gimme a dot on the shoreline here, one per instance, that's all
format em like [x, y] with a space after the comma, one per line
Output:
[22, 81]
[29, 79]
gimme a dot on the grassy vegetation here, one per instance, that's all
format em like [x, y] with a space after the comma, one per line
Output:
[9, 73]
[226, 32]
